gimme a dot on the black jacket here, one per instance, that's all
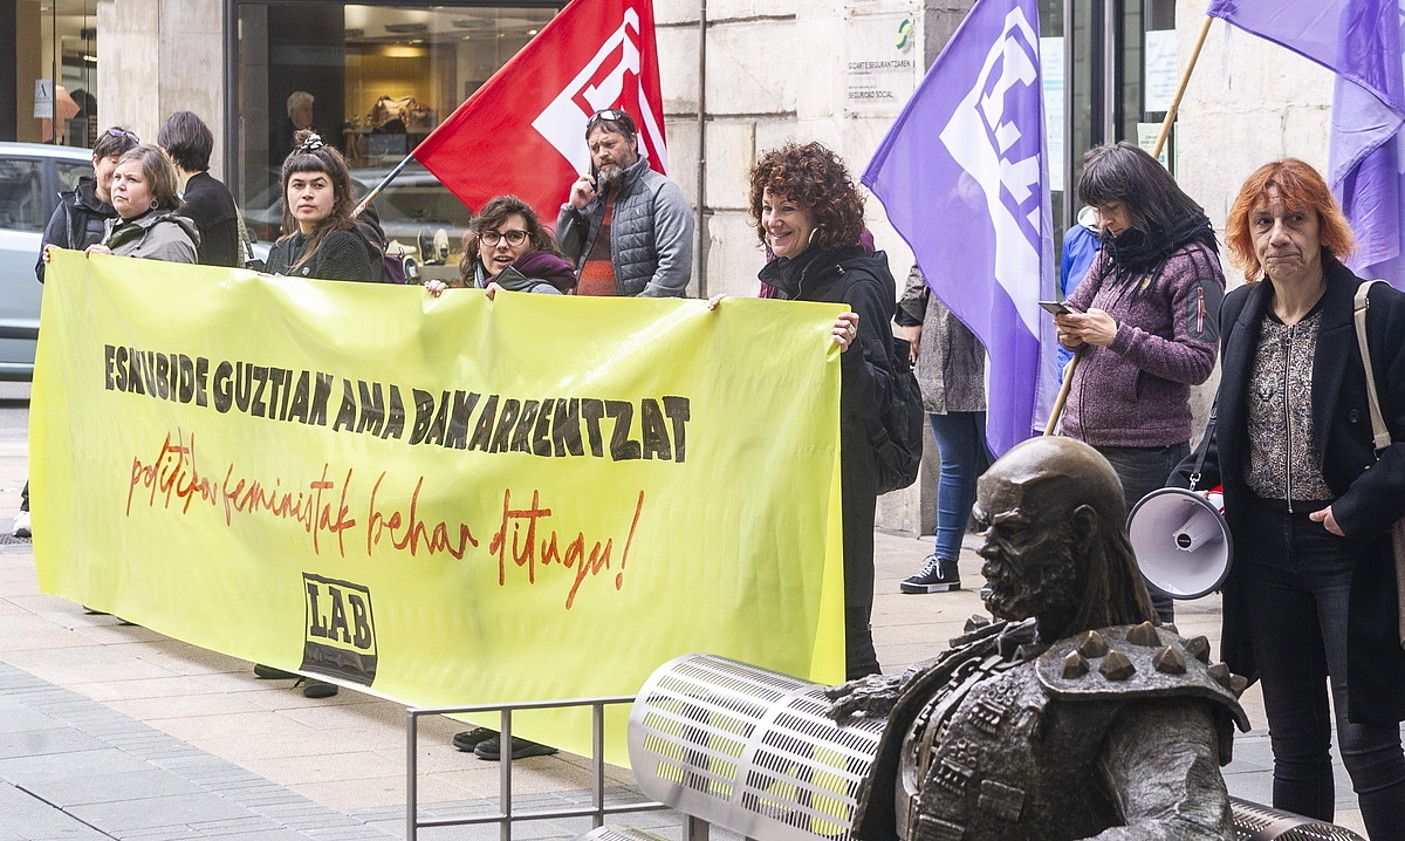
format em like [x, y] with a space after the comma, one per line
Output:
[345, 255]
[861, 280]
[210, 206]
[1368, 495]
[78, 222]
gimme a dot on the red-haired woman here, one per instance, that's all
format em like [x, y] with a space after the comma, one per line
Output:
[809, 213]
[1310, 601]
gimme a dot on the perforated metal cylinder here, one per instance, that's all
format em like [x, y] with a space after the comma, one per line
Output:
[1253, 822]
[748, 749]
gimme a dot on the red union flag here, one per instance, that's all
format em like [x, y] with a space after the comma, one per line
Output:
[523, 131]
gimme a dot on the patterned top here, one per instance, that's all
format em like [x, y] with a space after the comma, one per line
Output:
[1283, 464]
[597, 275]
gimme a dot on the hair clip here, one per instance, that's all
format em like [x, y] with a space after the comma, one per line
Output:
[311, 144]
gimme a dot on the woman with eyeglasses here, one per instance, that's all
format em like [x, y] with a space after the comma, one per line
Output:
[320, 238]
[507, 247]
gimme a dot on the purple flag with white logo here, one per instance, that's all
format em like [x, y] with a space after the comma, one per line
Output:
[964, 179]
[1360, 41]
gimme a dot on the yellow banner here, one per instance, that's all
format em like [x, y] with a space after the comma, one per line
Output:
[440, 501]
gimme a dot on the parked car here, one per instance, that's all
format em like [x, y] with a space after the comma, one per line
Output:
[412, 210]
[31, 177]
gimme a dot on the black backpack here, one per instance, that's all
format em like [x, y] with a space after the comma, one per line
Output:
[897, 437]
[897, 444]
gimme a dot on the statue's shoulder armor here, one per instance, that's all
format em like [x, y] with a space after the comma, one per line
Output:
[1127, 662]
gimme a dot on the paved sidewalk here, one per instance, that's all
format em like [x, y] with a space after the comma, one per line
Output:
[115, 732]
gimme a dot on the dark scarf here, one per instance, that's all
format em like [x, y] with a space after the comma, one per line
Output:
[1135, 253]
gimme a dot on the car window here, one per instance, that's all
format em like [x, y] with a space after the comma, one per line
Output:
[21, 195]
[69, 173]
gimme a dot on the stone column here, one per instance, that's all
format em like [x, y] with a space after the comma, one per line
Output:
[160, 56]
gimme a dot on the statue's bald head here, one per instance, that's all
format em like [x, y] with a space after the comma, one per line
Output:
[1056, 541]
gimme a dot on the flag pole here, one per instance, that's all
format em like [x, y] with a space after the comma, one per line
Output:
[385, 182]
[1166, 124]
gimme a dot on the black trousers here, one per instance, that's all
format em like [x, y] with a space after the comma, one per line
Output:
[1143, 470]
[859, 495]
[1297, 582]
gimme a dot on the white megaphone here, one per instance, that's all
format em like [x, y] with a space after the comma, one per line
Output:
[1182, 544]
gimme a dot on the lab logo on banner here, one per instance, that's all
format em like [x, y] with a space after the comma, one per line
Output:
[340, 633]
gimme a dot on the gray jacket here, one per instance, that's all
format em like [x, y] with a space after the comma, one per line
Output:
[950, 359]
[651, 234]
[154, 235]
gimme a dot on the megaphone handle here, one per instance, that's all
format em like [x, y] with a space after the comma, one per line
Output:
[1204, 448]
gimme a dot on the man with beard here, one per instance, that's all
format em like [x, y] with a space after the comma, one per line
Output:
[1072, 715]
[628, 229]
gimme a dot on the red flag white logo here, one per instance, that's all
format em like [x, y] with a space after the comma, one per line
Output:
[523, 131]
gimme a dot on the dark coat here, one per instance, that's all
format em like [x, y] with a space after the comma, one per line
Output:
[866, 376]
[345, 255]
[210, 206]
[79, 220]
[1368, 495]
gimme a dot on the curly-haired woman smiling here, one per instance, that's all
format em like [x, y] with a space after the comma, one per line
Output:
[809, 213]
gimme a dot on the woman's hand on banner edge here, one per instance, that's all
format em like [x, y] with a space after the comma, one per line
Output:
[97, 249]
[846, 329]
[435, 288]
[715, 300]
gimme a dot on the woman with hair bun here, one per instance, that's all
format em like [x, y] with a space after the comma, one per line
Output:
[320, 237]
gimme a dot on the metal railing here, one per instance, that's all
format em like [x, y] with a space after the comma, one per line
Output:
[506, 816]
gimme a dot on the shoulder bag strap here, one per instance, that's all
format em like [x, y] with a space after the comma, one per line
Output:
[1379, 434]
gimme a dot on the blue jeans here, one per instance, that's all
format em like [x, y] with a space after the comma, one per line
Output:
[1298, 582]
[961, 444]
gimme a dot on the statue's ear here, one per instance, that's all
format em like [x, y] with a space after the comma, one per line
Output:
[1086, 531]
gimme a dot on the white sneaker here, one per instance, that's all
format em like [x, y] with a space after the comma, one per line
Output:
[21, 528]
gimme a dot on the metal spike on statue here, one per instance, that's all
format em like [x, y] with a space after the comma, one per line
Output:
[523, 131]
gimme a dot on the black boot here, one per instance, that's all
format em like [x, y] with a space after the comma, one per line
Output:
[936, 576]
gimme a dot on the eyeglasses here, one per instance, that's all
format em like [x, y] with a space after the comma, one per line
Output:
[609, 115]
[492, 238]
[121, 132]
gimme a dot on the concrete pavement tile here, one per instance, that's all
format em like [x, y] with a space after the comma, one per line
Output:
[153, 812]
[23, 816]
[22, 719]
[81, 788]
[252, 823]
[353, 765]
[20, 633]
[46, 742]
[264, 835]
[112, 631]
[359, 715]
[31, 770]
[389, 790]
[182, 658]
[184, 706]
[81, 664]
[248, 726]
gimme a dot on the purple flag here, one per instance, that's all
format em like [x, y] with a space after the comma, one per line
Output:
[963, 177]
[1360, 41]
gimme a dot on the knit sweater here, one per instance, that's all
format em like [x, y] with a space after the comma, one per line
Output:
[1135, 392]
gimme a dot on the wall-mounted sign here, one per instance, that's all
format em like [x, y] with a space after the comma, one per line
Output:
[884, 62]
[43, 98]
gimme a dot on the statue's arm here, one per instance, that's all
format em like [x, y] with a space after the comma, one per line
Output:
[1161, 763]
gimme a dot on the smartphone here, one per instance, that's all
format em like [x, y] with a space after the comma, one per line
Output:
[1057, 308]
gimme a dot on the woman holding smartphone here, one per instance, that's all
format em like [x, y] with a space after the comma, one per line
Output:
[1144, 321]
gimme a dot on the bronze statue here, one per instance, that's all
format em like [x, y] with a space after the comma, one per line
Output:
[1072, 715]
